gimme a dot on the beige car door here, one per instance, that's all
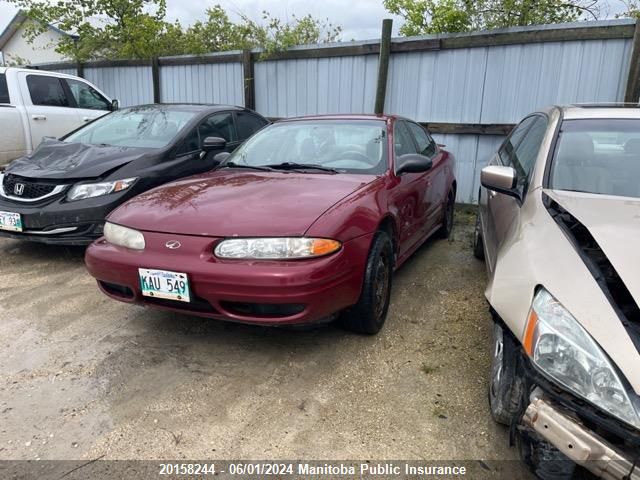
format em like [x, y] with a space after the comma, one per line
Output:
[518, 151]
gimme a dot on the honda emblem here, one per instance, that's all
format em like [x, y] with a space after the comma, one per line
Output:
[18, 189]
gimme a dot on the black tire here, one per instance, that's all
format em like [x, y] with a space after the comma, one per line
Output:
[505, 387]
[478, 240]
[447, 222]
[369, 314]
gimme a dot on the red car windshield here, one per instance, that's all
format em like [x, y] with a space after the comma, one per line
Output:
[346, 146]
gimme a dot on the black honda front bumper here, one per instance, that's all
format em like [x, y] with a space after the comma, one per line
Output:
[58, 221]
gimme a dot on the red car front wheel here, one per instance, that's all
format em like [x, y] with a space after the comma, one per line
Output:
[369, 314]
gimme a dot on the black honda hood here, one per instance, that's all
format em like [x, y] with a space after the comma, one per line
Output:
[54, 159]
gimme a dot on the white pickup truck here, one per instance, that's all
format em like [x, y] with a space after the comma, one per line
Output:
[36, 104]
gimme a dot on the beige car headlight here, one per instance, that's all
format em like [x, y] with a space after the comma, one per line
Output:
[123, 236]
[560, 347]
[275, 248]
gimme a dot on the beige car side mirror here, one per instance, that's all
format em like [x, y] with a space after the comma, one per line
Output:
[500, 179]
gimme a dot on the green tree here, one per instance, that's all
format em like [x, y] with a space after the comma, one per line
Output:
[129, 29]
[438, 16]
[632, 10]
[275, 35]
[219, 33]
[106, 28]
[216, 34]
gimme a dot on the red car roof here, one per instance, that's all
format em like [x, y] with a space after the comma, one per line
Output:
[342, 116]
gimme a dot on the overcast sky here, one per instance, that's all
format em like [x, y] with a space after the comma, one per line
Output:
[360, 19]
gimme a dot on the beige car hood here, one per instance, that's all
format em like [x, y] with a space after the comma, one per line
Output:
[614, 222]
[536, 252]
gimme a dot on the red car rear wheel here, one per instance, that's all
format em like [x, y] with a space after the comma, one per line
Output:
[447, 221]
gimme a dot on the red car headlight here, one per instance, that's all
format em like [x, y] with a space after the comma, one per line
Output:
[123, 236]
[279, 248]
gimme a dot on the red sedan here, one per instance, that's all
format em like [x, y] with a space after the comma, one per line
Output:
[303, 223]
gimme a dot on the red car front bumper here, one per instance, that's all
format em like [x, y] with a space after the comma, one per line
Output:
[259, 292]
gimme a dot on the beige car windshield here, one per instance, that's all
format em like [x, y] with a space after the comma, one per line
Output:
[598, 156]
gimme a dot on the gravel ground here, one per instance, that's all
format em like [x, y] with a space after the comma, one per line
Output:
[83, 376]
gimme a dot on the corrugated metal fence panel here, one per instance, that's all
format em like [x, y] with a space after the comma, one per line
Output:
[472, 152]
[522, 78]
[66, 71]
[438, 86]
[130, 85]
[287, 88]
[502, 84]
[204, 83]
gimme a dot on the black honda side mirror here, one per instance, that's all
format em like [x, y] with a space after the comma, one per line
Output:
[213, 143]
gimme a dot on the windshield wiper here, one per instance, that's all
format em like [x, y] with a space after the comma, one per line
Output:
[240, 165]
[301, 166]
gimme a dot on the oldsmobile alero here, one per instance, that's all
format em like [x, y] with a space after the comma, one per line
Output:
[303, 223]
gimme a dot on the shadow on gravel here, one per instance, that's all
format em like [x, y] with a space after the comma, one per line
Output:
[33, 251]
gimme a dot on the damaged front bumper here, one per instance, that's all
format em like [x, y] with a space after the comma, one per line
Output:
[55, 220]
[580, 444]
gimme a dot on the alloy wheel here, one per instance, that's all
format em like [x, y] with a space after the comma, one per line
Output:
[496, 363]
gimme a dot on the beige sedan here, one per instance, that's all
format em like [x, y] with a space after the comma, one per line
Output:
[559, 229]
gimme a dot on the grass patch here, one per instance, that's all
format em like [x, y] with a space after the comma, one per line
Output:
[428, 369]
[465, 213]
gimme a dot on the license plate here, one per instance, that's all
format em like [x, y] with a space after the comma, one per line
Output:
[10, 221]
[164, 284]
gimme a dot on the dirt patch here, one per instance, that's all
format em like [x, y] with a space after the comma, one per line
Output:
[83, 376]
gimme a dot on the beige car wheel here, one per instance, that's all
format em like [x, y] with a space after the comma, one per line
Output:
[505, 388]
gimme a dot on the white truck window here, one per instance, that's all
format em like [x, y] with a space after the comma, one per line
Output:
[86, 96]
[47, 91]
[4, 90]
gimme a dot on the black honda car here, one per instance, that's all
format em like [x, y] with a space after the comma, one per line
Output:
[62, 192]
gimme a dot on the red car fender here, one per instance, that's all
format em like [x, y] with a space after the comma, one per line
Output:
[361, 213]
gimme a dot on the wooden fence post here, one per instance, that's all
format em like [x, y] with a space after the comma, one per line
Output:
[383, 64]
[155, 77]
[632, 92]
[249, 83]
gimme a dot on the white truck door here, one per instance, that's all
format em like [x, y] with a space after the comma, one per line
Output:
[12, 139]
[48, 107]
[90, 102]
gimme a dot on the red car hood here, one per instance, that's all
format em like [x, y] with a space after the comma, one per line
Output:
[243, 203]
